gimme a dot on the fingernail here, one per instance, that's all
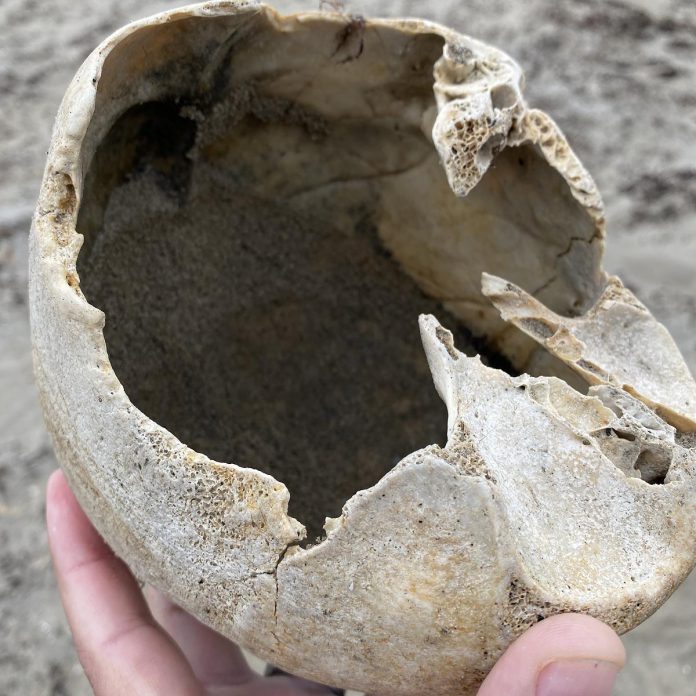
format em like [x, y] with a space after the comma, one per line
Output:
[577, 678]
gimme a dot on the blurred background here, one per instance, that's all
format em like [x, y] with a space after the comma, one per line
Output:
[619, 76]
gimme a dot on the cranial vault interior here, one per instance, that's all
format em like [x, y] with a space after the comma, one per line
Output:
[262, 247]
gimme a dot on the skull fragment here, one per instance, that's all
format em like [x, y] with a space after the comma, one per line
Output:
[242, 217]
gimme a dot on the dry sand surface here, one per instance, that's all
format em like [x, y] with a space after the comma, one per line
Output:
[620, 78]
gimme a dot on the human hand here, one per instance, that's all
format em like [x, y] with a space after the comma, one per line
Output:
[143, 645]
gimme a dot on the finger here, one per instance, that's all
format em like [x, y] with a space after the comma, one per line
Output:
[214, 659]
[277, 686]
[276, 672]
[120, 646]
[565, 655]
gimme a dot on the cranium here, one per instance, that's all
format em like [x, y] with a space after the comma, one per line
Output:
[241, 218]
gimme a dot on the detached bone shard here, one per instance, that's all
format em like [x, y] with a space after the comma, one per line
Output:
[241, 219]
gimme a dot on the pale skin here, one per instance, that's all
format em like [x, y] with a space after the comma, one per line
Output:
[138, 643]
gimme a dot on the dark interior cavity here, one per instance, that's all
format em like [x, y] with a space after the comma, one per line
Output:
[259, 329]
[263, 242]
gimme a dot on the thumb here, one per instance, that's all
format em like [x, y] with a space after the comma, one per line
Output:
[565, 655]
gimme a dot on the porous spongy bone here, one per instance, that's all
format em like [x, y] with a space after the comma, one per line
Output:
[241, 217]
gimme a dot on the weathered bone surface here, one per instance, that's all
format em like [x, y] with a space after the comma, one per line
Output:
[241, 219]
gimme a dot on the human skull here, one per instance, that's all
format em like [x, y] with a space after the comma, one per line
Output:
[241, 218]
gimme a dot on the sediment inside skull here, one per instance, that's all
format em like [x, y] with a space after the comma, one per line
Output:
[262, 263]
[270, 331]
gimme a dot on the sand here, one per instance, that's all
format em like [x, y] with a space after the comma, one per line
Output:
[619, 77]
